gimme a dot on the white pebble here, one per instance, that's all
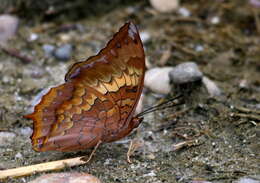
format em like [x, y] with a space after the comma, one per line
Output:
[165, 5]
[145, 36]
[18, 156]
[212, 88]
[8, 27]
[157, 80]
[27, 131]
[247, 180]
[67, 177]
[215, 20]
[33, 37]
[199, 48]
[184, 12]
[185, 73]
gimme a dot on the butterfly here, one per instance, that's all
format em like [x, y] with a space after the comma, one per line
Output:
[97, 101]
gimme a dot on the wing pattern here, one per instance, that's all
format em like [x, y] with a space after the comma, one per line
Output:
[97, 100]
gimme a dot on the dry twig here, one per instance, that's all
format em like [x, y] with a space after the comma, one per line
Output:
[16, 53]
[42, 167]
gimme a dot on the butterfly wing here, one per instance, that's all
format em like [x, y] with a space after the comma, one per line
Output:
[98, 99]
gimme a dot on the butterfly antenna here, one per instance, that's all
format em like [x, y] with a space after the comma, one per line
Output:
[161, 106]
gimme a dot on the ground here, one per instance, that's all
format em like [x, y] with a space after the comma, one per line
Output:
[223, 131]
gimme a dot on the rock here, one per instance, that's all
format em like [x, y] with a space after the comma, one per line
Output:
[215, 20]
[6, 138]
[255, 3]
[185, 73]
[145, 36]
[48, 49]
[26, 131]
[184, 12]
[63, 53]
[33, 37]
[18, 156]
[248, 180]
[212, 88]
[199, 48]
[66, 178]
[8, 27]
[165, 5]
[157, 80]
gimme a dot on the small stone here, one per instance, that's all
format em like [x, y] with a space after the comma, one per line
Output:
[248, 180]
[255, 3]
[185, 73]
[157, 80]
[212, 88]
[6, 138]
[26, 131]
[215, 20]
[8, 27]
[165, 5]
[243, 84]
[18, 156]
[151, 174]
[63, 53]
[184, 12]
[33, 37]
[66, 178]
[145, 36]
[65, 38]
[199, 48]
[48, 50]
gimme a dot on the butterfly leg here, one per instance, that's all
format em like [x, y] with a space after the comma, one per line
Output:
[134, 145]
[129, 152]
[93, 152]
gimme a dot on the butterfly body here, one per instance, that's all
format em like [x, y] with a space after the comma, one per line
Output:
[97, 101]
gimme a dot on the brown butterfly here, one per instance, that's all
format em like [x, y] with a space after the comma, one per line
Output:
[96, 104]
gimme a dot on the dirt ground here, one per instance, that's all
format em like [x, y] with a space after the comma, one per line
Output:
[222, 133]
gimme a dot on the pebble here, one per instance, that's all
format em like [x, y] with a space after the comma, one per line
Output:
[65, 38]
[66, 178]
[8, 27]
[6, 138]
[243, 84]
[184, 12]
[19, 155]
[248, 180]
[199, 48]
[157, 80]
[215, 20]
[48, 49]
[212, 88]
[185, 73]
[33, 37]
[145, 36]
[63, 53]
[165, 6]
[255, 3]
[26, 131]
